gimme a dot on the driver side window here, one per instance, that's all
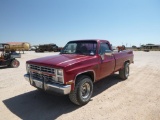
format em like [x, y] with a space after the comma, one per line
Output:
[103, 48]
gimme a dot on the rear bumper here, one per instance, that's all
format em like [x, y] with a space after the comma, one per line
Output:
[50, 87]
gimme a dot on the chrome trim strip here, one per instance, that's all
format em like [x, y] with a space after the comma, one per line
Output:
[42, 66]
[41, 72]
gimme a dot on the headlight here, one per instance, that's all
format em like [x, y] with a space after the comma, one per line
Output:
[27, 68]
[59, 76]
[60, 72]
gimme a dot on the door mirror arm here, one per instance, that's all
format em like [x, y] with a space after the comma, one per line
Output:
[107, 53]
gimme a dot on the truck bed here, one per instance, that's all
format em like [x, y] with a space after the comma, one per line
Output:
[121, 57]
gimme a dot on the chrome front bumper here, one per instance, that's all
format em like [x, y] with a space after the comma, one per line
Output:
[51, 87]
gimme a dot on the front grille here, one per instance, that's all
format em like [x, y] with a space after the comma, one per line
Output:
[41, 76]
[38, 73]
[43, 69]
[44, 77]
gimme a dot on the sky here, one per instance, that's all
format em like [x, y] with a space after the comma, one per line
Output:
[128, 22]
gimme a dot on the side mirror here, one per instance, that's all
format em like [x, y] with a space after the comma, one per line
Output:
[108, 52]
[102, 56]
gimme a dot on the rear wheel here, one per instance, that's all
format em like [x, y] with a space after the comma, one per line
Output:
[15, 63]
[83, 90]
[124, 73]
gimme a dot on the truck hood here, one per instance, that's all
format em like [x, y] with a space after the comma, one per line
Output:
[61, 60]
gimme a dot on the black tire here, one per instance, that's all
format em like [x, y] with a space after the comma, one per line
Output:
[83, 90]
[124, 73]
[15, 63]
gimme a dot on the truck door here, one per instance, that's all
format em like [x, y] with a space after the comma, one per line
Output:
[107, 63]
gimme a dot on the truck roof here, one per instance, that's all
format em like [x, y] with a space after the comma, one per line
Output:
[96, 40]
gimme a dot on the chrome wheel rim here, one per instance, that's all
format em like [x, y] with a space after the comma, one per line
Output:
[85, 90]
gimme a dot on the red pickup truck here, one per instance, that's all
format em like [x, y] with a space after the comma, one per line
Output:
[77, 67]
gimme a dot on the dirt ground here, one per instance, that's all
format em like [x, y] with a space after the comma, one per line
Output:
[137, 98]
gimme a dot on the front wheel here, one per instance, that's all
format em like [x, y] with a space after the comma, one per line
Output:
[124, 73]
[83, 90]
[15, 63]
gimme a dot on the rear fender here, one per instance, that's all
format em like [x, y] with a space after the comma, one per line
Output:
[127, 61]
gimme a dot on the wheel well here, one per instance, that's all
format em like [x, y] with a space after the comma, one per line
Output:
[128, 61]
[89, 74]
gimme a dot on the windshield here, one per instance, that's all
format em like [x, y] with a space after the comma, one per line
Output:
[80, 47]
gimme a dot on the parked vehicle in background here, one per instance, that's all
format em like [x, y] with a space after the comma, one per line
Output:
[146, 50]
[8, 58]
[33, 48]
[17, 46]
[59, 49]
[48, 47]
[77, 67]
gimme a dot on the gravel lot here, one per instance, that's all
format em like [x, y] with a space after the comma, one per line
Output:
[137, 98]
